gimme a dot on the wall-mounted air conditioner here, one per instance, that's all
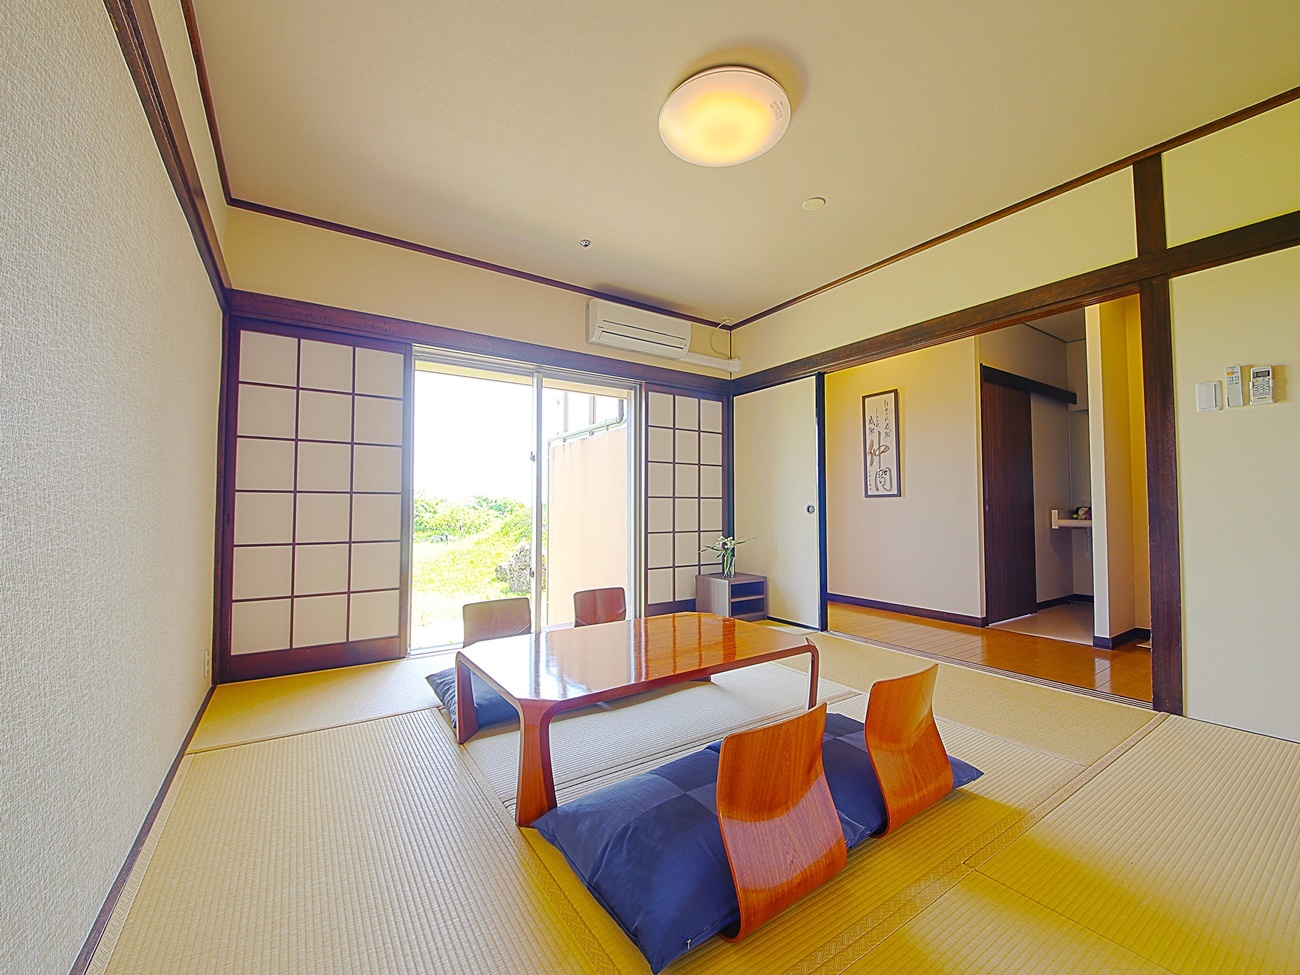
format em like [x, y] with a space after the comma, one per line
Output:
[620, 327]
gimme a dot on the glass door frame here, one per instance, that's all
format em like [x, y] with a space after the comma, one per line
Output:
[540, 375]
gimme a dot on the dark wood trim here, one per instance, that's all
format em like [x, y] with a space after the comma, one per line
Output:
[407, 528]
[224, 568]
[137, 35]
[1103, 284]
[823, 572]
[1149, 205]
[664, 609]
[1011, 380]
[301, 660]
[269, 308]
[223, 536]
[1162, 498]
[1154, 151]
[1063, 601]
[928, 614]
[729, 465]
[342, 228]
[1092, 286]
[1119, 639]
[777, 619]
[82, 962]
[205, 93]
[1161, 447]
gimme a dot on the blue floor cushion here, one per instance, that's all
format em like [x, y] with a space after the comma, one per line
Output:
[491, 707]
[650, 850]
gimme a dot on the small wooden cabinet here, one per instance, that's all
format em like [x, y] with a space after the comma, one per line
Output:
[743, 596]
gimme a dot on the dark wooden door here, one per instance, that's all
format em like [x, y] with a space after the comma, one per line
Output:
[1010, 576]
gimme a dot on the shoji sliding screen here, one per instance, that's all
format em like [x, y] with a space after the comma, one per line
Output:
[316, 540]
[686, 494]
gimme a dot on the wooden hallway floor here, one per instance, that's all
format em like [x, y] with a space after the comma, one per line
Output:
[1125, 671]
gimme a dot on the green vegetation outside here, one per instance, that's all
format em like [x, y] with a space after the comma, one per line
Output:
[457, 549]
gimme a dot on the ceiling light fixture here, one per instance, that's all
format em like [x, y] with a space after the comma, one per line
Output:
[814, 203]
[724, 116]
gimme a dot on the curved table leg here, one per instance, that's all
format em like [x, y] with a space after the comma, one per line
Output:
[535, 794]
[813, 667]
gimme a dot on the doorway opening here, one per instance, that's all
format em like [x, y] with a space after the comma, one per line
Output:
[522, 486]
[1023, 512]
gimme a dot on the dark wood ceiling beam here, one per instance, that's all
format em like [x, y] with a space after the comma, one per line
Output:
[1049, 299]
[137, 35]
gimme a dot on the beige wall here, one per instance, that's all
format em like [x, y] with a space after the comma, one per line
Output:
[921, 549]
[1238, 175]
[291, 260]
[587, 520]
[1239, 496]
[1087, 228]
[109, 348]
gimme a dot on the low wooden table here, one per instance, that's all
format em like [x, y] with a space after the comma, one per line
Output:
[544, 674]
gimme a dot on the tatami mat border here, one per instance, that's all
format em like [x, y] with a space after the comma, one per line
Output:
[99, 961]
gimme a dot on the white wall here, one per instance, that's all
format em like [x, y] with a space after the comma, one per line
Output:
[775, 433]
[1239, 496]
[109, 352]
[921, 549]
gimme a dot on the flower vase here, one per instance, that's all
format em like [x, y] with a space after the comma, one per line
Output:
[729, 563]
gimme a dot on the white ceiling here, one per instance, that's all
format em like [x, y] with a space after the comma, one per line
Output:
[1068, 326]
[509, 131]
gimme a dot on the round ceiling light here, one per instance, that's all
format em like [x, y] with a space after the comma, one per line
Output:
[724, 116]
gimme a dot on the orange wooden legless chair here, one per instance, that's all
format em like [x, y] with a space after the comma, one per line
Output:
[904, 744]
[599, 606]
[779, 826]
[496, 618]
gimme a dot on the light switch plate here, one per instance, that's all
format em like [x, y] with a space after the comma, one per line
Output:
[1207, 397]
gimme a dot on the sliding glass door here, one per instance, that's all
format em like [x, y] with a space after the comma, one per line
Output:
[587, 493]
[524, 485]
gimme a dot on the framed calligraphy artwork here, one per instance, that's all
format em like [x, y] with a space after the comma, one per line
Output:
[881, 462]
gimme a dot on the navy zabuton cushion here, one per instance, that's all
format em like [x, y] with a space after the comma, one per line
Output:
[491, 707]
[650, 850]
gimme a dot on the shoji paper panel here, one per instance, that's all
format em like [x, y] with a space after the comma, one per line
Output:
[316, 559]
[684, 494]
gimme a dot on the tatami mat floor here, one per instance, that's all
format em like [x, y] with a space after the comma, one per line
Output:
[316, 832]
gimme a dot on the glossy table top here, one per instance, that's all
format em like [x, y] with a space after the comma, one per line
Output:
[569, 664]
